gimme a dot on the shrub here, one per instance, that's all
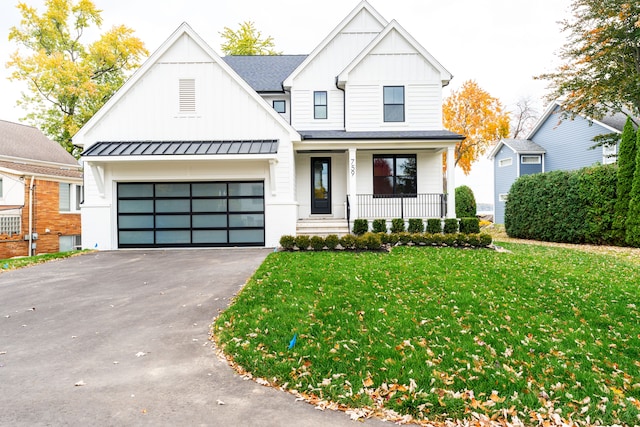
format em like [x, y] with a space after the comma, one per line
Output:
[465, 202]
[332, 241]
[473, 240]
[434, 225]
[317, 243]
[303, 242]
[360, 243]
[485, 239]
[371, 241]
[360, 226]
[379, 225]
[397, 225]
[632, 236]
[470, 225]
[348, 241]
[287, 242]
[450, 239]
[450, 225]
[626, 168]
[416, 225]
[404, 238]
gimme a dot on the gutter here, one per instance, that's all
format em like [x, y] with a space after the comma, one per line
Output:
[30, 252]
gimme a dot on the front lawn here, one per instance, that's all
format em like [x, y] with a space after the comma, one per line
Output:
[440, 333]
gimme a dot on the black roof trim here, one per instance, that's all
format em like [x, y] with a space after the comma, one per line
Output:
[181, 148]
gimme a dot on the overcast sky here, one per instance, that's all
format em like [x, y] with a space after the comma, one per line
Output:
[501, 44]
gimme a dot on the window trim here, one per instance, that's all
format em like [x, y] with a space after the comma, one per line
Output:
[394, 176]
[280, 102]
[503, 197]
[536, 157]
[316, 105]
[385, 104]
[503, 163]
[73, 199]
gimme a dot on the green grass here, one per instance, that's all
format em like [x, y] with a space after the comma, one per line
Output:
[438, 333]
[14, 263]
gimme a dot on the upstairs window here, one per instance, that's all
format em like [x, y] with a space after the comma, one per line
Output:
[394, 174]
[187, 95]
[320, 105]
[393, 99]
[280, 106]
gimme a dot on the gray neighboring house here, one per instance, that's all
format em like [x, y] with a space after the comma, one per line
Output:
[555, 143]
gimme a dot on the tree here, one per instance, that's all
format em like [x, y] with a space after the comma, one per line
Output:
[601, 69]
[524, 117]
[474, 113]
[626, 169]
[247, 41]
[69, 81]
[633, 215]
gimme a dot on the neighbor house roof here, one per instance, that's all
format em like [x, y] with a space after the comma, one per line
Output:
[265, 73]
[402, 134]
[29, 143]
[20, 168]
[180, 148]
[519, 146]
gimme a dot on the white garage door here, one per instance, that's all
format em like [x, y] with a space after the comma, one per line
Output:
[190, 214]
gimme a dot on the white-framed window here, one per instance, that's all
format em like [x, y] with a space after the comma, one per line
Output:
[503, 197]
[393, 103]
[69, 243]
[531, 160]
[280, 106]
[320, 105]
[505, 162]
[609, 154]
[70, 197]
[187, 96]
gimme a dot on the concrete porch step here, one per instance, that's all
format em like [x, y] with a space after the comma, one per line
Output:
[322, 227]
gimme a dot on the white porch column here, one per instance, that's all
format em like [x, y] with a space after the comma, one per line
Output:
[351, 183]
[451, 183]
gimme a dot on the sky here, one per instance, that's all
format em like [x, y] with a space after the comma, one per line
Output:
[501, 44]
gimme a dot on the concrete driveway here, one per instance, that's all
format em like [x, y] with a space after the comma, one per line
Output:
[121, 338]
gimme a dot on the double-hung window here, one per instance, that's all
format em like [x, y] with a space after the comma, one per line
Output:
[320, 105]
[393, 100]
[394, 174]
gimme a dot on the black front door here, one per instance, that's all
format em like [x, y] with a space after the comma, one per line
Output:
[320, 185]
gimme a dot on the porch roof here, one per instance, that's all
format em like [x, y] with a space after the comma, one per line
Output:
[378, 135]
[178, 148]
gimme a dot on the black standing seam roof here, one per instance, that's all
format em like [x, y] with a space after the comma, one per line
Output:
[178, 148]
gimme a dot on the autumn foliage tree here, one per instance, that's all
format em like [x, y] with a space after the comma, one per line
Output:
[247, 40]
[68, 81]
[474, 113]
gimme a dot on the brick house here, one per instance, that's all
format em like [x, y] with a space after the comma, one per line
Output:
[40, 193]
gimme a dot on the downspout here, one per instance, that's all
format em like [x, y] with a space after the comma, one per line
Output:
[31, 216]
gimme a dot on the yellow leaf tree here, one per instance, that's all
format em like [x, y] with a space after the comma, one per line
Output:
[69, 81]
[472, 112]
[247, 40]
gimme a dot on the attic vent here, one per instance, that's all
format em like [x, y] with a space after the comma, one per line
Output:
[187, 95]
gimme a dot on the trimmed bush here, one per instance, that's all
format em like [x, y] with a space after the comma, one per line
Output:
[317, 243]
[379, 226]
[450, 226]
[360, 226]
[303, 242]
[465, 202]
[485, 239]
[416, 225]
[397, 225]
[288, 242]
[469, 225]
[332, 241]
[434, 225]
[348, 241]
[372, 241]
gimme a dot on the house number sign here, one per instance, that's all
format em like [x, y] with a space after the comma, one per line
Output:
[353, 167]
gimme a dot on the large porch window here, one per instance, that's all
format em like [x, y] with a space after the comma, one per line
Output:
[394, 174]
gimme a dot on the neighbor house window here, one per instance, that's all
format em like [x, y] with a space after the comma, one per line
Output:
[320, 105]
[505, 162]
[393, 100]
[531, 160]
[70, 197]
[280, 106]
[187, 95]
[1, 189]
[503, 197]
[394, 174]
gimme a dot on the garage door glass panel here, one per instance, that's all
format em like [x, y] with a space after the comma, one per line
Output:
[135, 206]
[245, 236]
[210, 221]
[209, 189]
[172, 190]
[173, 205]
[246, 205]
[135, 221]
[173, 237]
[209, 205]
[210, 236]
[173, 221]
[246, 189]
[135, 237]
[246, 220]
[135, 190]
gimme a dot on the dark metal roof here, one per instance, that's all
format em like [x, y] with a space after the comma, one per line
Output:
[265, 73]
[404, 134]
[180, 148]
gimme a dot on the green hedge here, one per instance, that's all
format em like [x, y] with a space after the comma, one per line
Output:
[563, 206]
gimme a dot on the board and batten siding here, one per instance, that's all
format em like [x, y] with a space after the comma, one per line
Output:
[567, 142]
[504, 177]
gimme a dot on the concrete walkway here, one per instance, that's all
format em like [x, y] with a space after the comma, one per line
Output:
[121, 338]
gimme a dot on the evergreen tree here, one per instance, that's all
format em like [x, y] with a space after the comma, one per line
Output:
[626, 168]
[633, 215]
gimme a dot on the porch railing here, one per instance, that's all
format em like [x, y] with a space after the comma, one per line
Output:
[433, 205]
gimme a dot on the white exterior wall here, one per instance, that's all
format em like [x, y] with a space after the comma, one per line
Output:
[286, 97]
[338, 184]
[12, 190]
